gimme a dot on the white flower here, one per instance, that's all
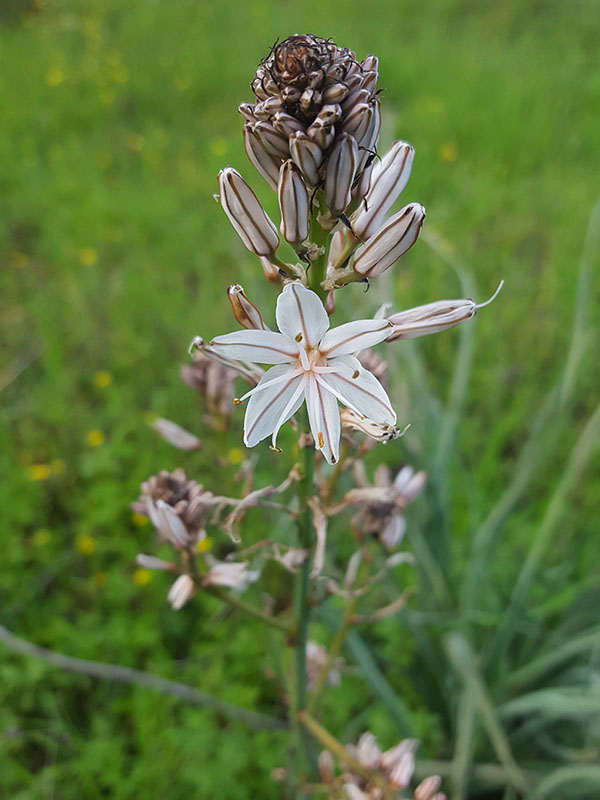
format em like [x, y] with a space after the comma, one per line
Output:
[312, 363]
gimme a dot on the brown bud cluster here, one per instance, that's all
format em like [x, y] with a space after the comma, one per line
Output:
[314, 100]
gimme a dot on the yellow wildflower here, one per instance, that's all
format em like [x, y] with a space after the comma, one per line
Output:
[94, 438]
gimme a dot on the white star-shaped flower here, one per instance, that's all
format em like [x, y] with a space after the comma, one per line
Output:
[312, 363]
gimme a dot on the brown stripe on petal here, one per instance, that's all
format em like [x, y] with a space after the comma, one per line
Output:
[273, 400]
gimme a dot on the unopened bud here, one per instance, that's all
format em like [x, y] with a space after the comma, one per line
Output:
[264, 163]
[181, 591]
[386, 246]
[293, 203]
[167, 523]
[307, 156]
[272, 271]
[286, 124]
[341, 168]
[389, 177]
[434, 317]
[427, 788]
[151, 562]
[272, 140]
[176, 435]
[245, 312]
[246, 214]
[326, 766]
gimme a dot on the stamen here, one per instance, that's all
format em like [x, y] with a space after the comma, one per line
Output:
[236, 401]
[321, 439]
[304, 359]
[299, 337]
[493, 297]
[275, 449]
[356, 373]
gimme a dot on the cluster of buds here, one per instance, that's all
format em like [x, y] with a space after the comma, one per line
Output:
[313, 134]
[178, 508]
[370, 774]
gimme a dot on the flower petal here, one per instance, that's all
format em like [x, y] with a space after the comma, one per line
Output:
[265, 408]
[301, 315]
[358, 389]
[354, 336]
[324, 419]
[262, 347]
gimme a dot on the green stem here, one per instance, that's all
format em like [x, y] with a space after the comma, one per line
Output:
[248, 608]
[334, 652]
[316, 273]
[301, 588]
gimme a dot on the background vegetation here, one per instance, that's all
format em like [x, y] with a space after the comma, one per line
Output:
[115, 119]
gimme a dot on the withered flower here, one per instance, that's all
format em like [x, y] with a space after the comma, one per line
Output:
[187, 499]
[380, 506]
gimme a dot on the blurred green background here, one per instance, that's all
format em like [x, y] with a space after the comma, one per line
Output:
[115, 118]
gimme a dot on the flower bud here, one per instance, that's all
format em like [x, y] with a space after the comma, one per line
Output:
[427, 789]
[286, 124]
[389, 177]
[246, 214]
[272, 271]
[326, 766]
[181, 591]
[358, 120]
[245, 312]
[434, 317]
[370, 63]
[264, 163]
[274, 142]
[151, 562]
[176, 435]
[293, 203]
[430, 318]
[335, 93]
[341, 168]
[167, 523]
[386, 246]
[307, 156]
[321, 133]
[354, 98]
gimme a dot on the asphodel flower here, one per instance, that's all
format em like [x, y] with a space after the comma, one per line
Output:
[312, 364]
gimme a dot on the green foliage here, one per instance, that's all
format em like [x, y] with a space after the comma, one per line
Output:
[116, 119]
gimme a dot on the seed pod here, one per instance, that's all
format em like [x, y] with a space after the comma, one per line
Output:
[341, 169]
[245, 312]
[293, 203]
[264, 163]
[307, 156]
[386, 246]
[389, 178]
[246, 214]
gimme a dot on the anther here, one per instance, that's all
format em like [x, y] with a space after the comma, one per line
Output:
[236, 401]
[275, 449]
[355, 374]
[320, 439]
[299, 337]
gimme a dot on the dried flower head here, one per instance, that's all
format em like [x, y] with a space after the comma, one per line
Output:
[187, 499]
[380, 505]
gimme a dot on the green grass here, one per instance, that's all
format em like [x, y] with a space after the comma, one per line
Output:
[115, 119]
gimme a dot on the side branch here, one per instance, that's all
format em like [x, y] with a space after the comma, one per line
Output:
[114, 672]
